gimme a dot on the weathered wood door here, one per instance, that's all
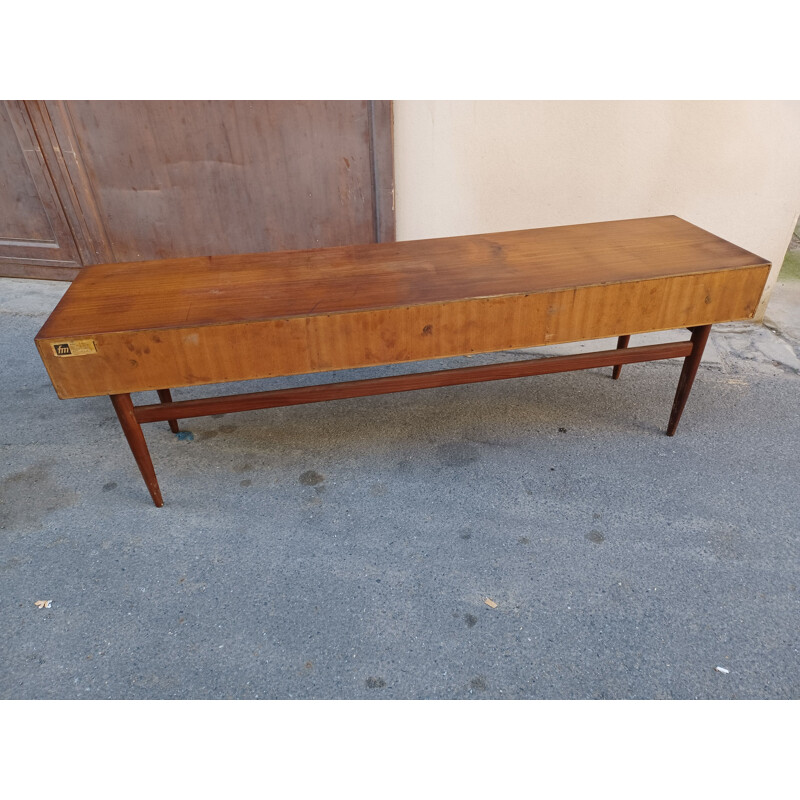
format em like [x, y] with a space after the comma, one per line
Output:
[139, 180]
[35, 236]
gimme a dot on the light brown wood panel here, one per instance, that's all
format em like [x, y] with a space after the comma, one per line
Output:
[142, 360]
[163, 179]
[225, 319]
[35, 237]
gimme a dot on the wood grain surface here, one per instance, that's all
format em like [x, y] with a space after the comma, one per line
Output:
[36, 237]
[193, 321]
[176, 178]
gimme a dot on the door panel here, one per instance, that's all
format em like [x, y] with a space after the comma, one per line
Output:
[22, 215]
[86, 182]
[163, 179]
[35, 237]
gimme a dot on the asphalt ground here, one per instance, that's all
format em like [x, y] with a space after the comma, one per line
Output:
[348, 549]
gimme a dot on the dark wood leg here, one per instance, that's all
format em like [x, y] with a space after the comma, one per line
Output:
[133, 433]
[622, 343]
[690, 365]
[165, 397]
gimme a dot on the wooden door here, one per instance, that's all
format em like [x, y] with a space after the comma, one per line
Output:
[141, 180]
[35, 236]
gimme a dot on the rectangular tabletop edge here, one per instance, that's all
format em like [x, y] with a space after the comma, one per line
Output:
[45, 336]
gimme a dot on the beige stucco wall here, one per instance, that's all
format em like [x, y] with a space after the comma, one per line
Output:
[732, 167]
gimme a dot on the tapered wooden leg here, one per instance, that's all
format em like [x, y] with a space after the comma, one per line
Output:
[622, 343]
[690, 365]
[165, 397]
[133, 433]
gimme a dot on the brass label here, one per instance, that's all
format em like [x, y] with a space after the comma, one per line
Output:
[75, 347]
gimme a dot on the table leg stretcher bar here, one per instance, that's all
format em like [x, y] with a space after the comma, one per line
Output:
[131, 416]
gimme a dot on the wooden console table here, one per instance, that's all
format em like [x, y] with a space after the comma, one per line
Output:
[158, 325]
